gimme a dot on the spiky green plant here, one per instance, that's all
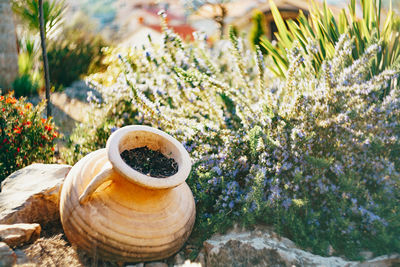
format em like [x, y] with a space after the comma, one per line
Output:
[319, 33]
[28, 12]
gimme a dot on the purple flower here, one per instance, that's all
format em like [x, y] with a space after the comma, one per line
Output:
[286, 203]
[114, 128]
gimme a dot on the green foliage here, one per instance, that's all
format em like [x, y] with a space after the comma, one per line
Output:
[24, 85]
[28, 11]
[318, 34]
[28, 81]
[75, 53]
[258, 30]
[25, 137]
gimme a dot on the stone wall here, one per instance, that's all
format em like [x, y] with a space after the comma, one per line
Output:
[8, 46]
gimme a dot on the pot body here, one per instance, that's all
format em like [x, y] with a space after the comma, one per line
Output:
[122, 220]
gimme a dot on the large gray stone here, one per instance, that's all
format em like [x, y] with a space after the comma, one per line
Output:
[263, 247]
[18, 234]
[31, 195]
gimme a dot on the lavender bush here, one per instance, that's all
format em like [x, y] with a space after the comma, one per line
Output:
[315, 155]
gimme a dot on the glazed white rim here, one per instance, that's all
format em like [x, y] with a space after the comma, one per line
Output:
[129, 173]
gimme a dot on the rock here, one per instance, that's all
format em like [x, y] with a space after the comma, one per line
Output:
[266, 249]
[31, 195]
[201, 259]
[382, 261]
[156, 264]
[15, 235]
[188, 263]
[7, 255]
[135, 265]
[22, 258]
[330, 250]
[179, 258]
[367, 255]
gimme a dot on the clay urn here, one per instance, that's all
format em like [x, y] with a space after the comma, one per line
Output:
[114, 212]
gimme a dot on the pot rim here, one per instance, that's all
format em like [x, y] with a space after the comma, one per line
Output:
[137, 177]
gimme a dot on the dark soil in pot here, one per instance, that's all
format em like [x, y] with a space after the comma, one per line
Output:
[150, 162]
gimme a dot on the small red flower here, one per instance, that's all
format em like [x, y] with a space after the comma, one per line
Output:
[18, 149]
[52, 149]
[17, 130]
[1, 98]
[28, 106]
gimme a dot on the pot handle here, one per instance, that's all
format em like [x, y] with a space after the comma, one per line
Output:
[99, 179]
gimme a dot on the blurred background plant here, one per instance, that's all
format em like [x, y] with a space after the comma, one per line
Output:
[74, 48]
[258, 30]
[29, 80]
[28, 12]
[25, 137]
[322, 30]
[76, 52]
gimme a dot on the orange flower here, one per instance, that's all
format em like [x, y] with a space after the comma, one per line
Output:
[28, 106]
[43, 120]
[11, 100]
[1, 98]
[52, 149]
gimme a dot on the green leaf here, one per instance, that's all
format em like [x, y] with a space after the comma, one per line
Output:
[280, 24]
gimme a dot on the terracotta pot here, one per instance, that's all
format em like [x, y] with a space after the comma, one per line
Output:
[110, 210]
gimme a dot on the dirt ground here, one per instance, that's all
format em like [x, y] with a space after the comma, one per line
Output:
[53, 249]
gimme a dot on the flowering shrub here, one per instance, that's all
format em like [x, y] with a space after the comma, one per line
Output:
[316, 155]
[25, 137]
